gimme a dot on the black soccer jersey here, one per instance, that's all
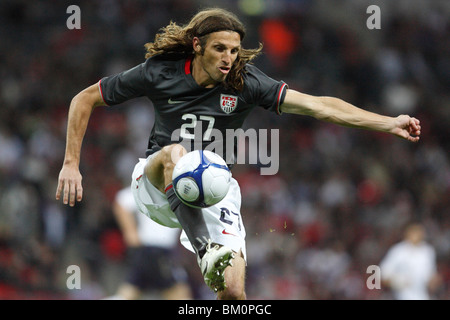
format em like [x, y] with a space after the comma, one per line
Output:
[186, 111]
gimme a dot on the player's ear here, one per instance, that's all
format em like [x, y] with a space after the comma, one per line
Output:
[196, 45]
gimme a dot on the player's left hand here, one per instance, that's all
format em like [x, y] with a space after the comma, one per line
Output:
[407, 127]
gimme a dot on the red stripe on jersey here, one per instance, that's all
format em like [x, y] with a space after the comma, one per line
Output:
[279, 97]
[187, 65]
[170, 186]
[101, 91]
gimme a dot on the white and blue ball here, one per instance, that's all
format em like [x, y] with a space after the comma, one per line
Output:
[201, 178]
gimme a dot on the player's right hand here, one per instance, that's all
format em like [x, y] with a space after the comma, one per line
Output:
[69, 183]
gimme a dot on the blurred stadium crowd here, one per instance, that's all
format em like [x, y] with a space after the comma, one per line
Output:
[341, 198]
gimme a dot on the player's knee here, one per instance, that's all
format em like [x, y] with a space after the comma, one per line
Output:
[164, 165]
[171, 154]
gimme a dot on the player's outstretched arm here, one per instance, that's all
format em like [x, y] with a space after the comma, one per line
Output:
[81, 107]
[337, 111]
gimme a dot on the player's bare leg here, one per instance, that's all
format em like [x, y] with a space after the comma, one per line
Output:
[235, 280]
[159, 169]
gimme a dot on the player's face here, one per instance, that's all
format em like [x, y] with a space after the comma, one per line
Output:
[220, 52]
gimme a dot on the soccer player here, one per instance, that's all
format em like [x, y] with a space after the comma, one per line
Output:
[409, 266]
[200, 74]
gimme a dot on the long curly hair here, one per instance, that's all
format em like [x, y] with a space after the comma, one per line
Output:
[178, 39]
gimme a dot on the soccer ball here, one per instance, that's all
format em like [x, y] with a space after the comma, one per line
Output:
[201, 178]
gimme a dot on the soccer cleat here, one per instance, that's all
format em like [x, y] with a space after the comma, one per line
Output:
[213, 264]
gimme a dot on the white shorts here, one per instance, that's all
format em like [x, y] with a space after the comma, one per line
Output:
[223, 220]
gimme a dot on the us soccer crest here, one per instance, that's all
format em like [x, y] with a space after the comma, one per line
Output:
[228, 103]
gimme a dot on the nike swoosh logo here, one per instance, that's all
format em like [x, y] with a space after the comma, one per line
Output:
[224, 232]
[170, 101]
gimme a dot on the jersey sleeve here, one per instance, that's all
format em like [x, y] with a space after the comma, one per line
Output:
[126, 85]
[264, 91]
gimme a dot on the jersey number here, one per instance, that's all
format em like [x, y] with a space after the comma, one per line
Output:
[192, 123]
[225, 215]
